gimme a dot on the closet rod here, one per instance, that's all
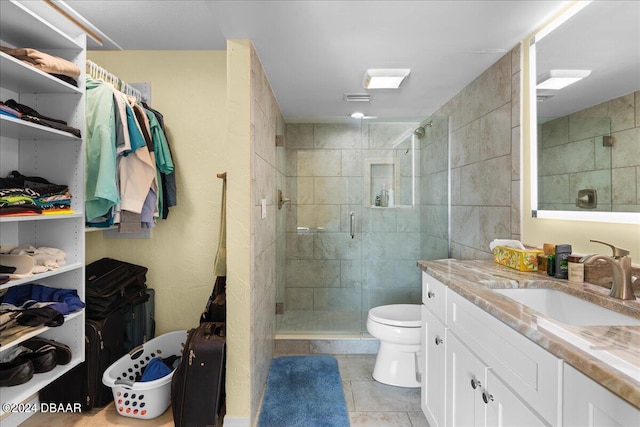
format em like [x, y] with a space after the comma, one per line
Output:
[99, 73]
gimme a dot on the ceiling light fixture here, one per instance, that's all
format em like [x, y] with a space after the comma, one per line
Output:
[384, 78]
[358, 115]
[558, 79]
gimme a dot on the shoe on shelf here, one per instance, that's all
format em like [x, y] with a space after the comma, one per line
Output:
[43, 359]
[15, 372]
[63, 352]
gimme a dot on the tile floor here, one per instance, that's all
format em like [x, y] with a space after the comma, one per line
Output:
[370, 404]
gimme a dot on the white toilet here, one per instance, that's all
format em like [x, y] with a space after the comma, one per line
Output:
[398, 327]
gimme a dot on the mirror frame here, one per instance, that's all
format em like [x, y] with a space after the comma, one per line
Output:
[598, 216]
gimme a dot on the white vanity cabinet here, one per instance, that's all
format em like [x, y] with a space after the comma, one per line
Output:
[588, 404]
[465, 377]
[477, 397]
[57, 156]
[490, 374]
[434, 343]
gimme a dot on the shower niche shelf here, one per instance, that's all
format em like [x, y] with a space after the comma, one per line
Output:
[387, 172]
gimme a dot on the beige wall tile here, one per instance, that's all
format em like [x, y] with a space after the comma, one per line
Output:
[316, 216]
[318, 163]
[624, 187]
[329, 135]
[626, 149]
[299, 135]
[330, 190]
[465, 146]
[495, 133]
[487, 182]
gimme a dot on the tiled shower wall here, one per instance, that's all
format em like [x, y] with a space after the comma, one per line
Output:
[267, 234]
[325, 268]
[485, 159]
[434, 189]
[572, 156]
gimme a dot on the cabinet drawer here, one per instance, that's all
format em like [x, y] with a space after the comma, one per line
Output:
[434, 295]
[533, 372]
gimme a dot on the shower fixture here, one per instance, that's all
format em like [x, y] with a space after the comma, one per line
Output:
[282, 200]
[419, 132]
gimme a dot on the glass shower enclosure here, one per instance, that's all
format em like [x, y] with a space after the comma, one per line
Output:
[366, 204]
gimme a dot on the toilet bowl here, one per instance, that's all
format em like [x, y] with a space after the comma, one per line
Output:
[398, 327]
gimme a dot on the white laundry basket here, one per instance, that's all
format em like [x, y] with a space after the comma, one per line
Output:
[145, 400]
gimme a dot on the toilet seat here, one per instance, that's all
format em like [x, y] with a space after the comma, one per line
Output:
[403, 315]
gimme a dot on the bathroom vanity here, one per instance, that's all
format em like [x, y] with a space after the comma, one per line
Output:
[503, 347]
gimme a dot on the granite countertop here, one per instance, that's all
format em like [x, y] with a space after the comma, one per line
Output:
[593, 350]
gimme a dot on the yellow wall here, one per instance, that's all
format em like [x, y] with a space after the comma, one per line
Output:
[576, 233]
[189, 89]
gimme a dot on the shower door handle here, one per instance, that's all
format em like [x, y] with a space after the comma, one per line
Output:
[352, 221]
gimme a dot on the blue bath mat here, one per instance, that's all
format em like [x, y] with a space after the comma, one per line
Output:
[304, 391]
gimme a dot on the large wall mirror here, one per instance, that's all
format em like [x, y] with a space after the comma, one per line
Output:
[586, 163]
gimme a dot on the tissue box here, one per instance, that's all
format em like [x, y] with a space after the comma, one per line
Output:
[523, 260]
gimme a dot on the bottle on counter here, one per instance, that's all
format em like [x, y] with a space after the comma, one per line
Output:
[551, 265]
[576, 268]
[562, 263]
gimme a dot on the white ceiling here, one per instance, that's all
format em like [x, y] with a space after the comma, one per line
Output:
[314, 52]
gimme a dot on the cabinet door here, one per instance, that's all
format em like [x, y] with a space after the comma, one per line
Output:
[433, 387]
[466, 377]
[588, 404]
[504, 407]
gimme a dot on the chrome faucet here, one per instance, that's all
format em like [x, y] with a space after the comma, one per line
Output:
[621, 265]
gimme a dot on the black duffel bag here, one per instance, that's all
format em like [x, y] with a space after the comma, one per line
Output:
[112, 285]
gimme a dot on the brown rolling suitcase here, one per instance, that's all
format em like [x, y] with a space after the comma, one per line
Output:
[197, 387]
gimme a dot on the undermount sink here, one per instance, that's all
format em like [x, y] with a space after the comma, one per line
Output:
[567, 308]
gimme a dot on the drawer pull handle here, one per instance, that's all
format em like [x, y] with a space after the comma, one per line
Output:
[475, 383]
[431, 294]
[487, 397]
[439, 340]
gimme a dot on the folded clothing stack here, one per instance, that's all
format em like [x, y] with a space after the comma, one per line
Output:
[31, 115]
[34, 356]
[54, 65]
[29, 195]
[44, 258]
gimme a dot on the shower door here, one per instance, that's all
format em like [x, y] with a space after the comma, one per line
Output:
[350, 245]
[390, 215]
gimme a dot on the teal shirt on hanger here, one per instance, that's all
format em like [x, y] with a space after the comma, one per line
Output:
[101, 191]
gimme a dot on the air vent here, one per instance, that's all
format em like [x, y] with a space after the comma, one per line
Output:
[357, 97]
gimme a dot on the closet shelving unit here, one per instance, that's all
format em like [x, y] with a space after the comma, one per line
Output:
[58, 156]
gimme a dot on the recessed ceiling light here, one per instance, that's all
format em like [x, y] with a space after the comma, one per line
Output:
[357, 115]
[384, 78]
[558, 79]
